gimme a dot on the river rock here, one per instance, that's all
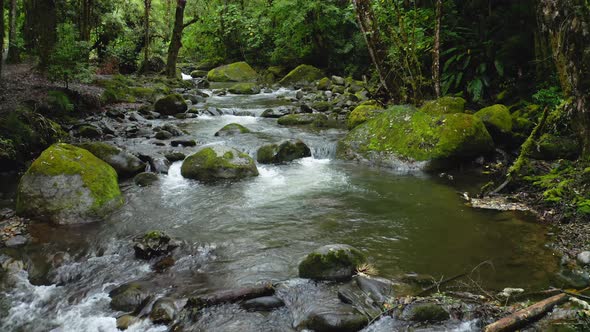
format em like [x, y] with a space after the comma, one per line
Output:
[363, 302]
[163, 311]
[444, 105]
[497, 120]
[324, 84]
[411, 136]
[163, 135]
[153, 244]
[425, 312]
[89, 131]
[316, 119]
[159, 165]
[145, 179]
[131, 296]
[218, 162]
[336, 262]
[232, 129]
[338, 80]
[244, 89]
[362, 114]
[265, 303]
[183, 142]
[274, 113]
[175, 156]
[379, 289]
[343, 318]
[68, 185]
[125, 321]
[199, 73]
[122, 161]
[282, 153]
[584, 258]
[303, 74]
[171, 105]
[235, 72]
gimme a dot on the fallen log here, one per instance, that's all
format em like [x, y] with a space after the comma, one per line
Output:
[525, 316]
[231, 296]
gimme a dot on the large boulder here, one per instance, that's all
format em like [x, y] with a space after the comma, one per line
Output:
[235, 72]
[411, 136]
[244, 89]
[497, 120]
[122, 161]
[336, 262]
[362, 114]
[444, 105]
[218, 162]
[171, 105]
[303, 74]
[232, 129]
[68, 185]
[282, 153]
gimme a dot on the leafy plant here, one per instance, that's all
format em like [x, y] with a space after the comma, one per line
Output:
[550, 97]
[69, 60]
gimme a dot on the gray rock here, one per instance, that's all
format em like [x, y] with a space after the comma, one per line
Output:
[342, 319]
[232, 129]
[274, 114]
[379, 289]
[153, 244]
[337, 80]
[130, 297]
[425, 312]
[160, 165]
[175, 156]
[218, 162]
[265, 303]
[122, 161]
[17, 241]
[285, 152]
[145, 179]
[125, 321]
[584, 258]
[163, 311]
[332, 262]
[163, 135]
[183, 142]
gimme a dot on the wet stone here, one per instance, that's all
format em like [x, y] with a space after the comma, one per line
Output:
[163, 311]
[345, 318]
[265, 303]
[130, 297]
[153, 244]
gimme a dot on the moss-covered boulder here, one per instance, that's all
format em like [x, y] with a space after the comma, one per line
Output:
[218, 162]
[316, 119]
[444, 105]
[282, 153]
[324, 84]
[199, 73]
[403, 134]
[232, 129]
[171, 105]
[146, 179]
[321, 106]
[303, 74]
[362, 114]
[336, 262]
[234, 72]
[122, 161]
[425, 313]
[497, 120]
[68, 185]
[551, 147]
[244, 89]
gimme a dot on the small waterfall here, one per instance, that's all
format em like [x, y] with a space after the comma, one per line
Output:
[323, 150]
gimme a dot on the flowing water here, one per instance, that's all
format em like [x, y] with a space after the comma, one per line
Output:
[258, 229]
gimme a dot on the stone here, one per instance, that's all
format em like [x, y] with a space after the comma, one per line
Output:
[342, 319]
[171, 105]
[362, 114]
[183, 142]
[125, 321]
[235, 72]
[282, 153]
[199, 73]
[274, 113]
[244, 89]
[584, 258]
[315, 119]
[146, 179]
[163, 311]
[218, 162]
[324, 84]
[338, 80]
[68, 185]
[232, 129]
[122, 161]
[265, 303]
[497, 120]
[303, 74]
[153, 244]
[88, 131]
[425, 312]
[131, 296]
[336, 262]
[163, 135]
[444, 105]
[175, 156]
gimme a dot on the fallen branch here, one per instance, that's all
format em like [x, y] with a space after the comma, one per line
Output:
[525, 316]
[438, 284]
[232, 296]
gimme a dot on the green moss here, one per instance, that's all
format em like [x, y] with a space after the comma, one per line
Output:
[324, 84]
[59, 102]
[303, 74]
[427, 312]
[207, 165]
[361, 114]
[116, 89]
[497, 119]
[199, 73]
[266, 154]
[322, 263]
[321, 106]
[100, 149]
[444, 105]
[232, 129]
[285, 152]
[244, 89]
[7, 150]
[235, 72]
[171, 105]
[551, 147]
[65, 159]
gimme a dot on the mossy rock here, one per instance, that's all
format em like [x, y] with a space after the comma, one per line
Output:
[444, 105]
[315, 119]
[199, 73]
[146, 179]
[235, 72]
[324, 84]
[282, 153]
[551, 147]
[124, 163]
[303, 74]
[497, 120]
[362, 114]
[277, 71]
[340, 318]
[244, 89]
[89, 131]
[232, 129]
[337, 262]
[153, 65]
[171, 105]
[68, 185]
[405, 135]
[218, 162]
[425, 313]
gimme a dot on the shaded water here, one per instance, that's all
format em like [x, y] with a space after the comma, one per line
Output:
[258, 229]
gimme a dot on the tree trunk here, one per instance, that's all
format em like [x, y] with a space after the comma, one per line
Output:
[85, 20]
[146, 22]
[436, 49]
[366, 21]
[567, 23]
[13, 50]
[47, 18]
[1, 36]
[176, 40]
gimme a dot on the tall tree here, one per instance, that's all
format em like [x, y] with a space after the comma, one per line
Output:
[86, 19]
[1, 36]
[567, 22]
[436, 49]
[13, 48]
[176, 40]
[146, 27]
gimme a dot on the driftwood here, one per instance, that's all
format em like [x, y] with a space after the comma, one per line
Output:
[525, 316]
[232, 296]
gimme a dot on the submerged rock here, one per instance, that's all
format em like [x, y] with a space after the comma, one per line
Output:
[218, 163]
[408, 135]
[332, 262]
[171, 105]
[303, 74]
[235, 72]
[232, 129]
[145, 179]
[68, 185]
[131, 296]
[122, 161]
[153, 244]
[282, 153]
[444, 105]
[244, 89]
